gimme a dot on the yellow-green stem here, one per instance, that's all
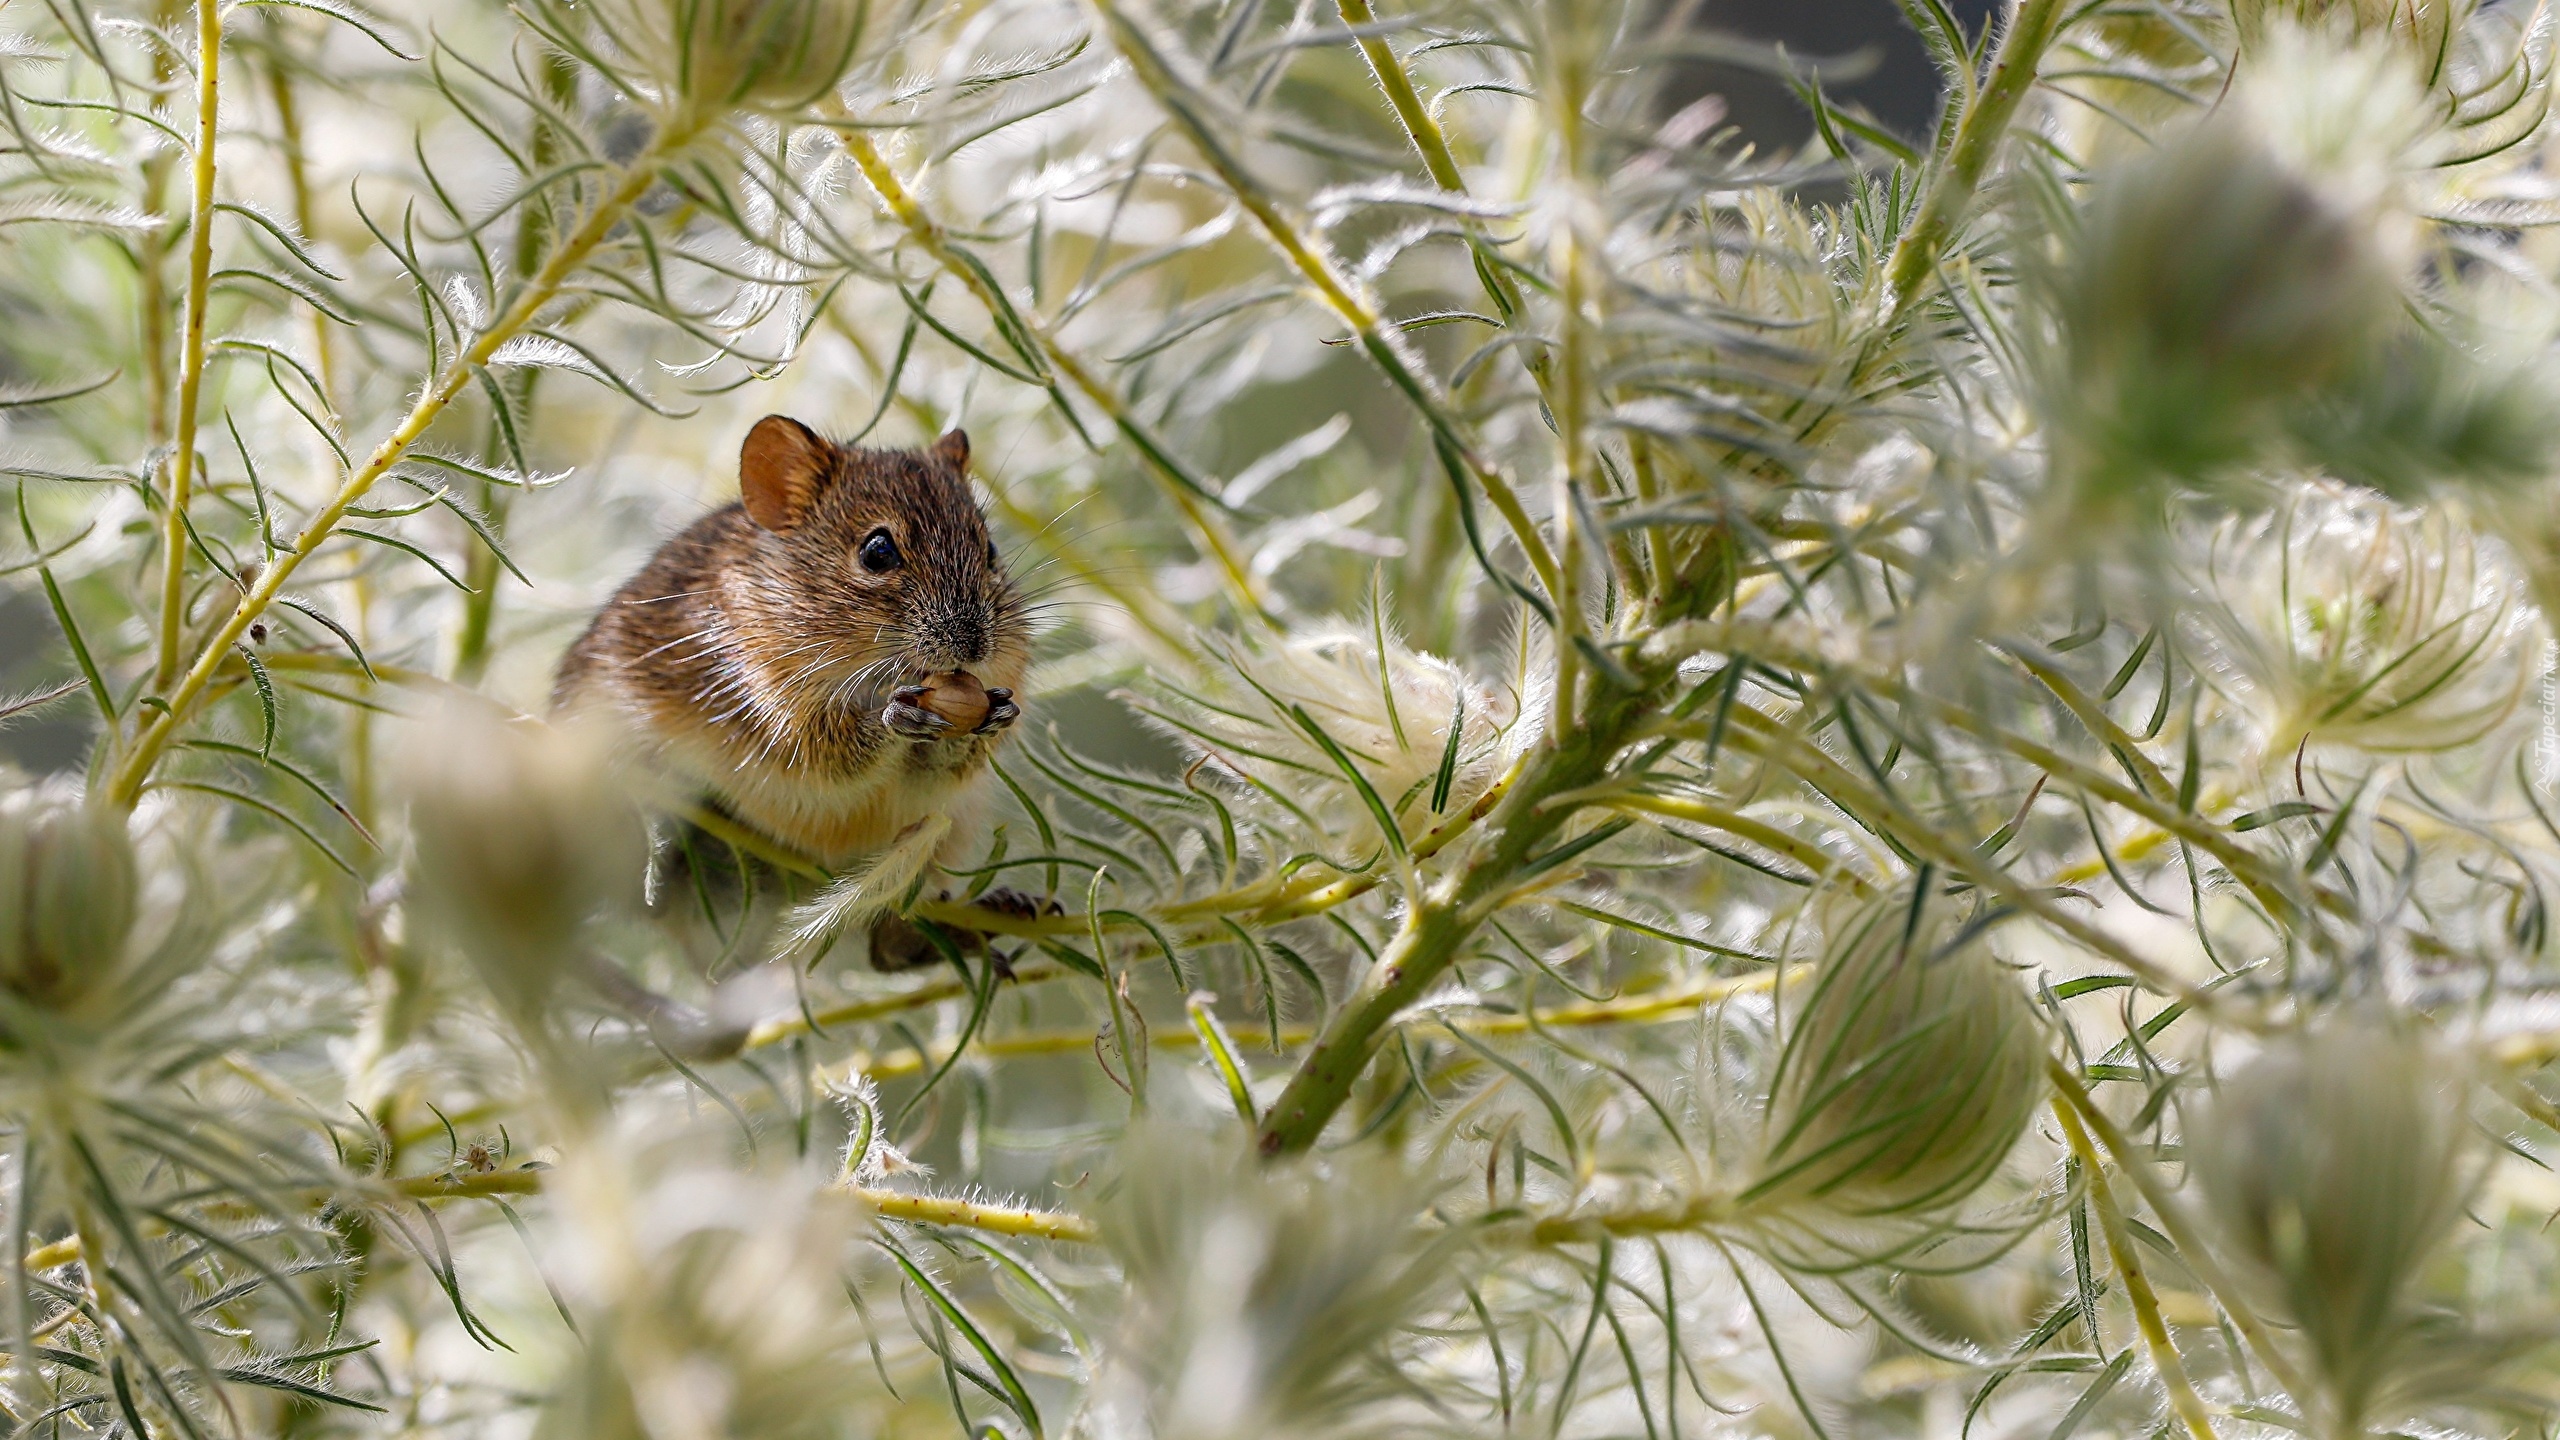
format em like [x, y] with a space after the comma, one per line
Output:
[182, 467]
[1572, 410]
[2137, 1285]
[1644, 1007]
[324, 358]
[1410, 111]
[1977, 140]
[572, 252]
[1337, 293]
[2173, 1221]
[977, 1215]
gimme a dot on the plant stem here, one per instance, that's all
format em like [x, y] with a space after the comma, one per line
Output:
[480, 564]
[151, 247]
[1672, 1002]
[977, 1215]
[1438, 922]
[1418, 124]
[1337, 293]
[324, 355]
[2137, 1285]
[1977, 140]
[1571, 404]
[173, 577]
[2173, 1221]
[538, 292]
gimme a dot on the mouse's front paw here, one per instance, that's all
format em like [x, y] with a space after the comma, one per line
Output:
[1001, 712]
[907, 716]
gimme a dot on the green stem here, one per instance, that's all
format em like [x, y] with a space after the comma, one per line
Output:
[1977, 140]
[1419, 127]
[1439, 923]
[480, 564]
[173, 577]
[537, 293]
[2173, 1220]
[2137, 1285]
[1338, 294]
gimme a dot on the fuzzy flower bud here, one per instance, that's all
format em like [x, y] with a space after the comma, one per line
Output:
[773, 56]
[67, 895]
[2344, 619]
[1905, 1081]
[1330, 706]
[2331, 1168]
[2211, 283]
[521, 835]
[1257, 1295]
[2421, 26]
[2235, 280]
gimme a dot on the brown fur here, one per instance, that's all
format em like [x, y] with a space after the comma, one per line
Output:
[757, 658]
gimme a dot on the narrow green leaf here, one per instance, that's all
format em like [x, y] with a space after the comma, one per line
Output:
[1016, 1398]
[266, 701]
[1221, 1051]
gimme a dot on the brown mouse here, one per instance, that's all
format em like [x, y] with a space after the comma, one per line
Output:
[834, 657]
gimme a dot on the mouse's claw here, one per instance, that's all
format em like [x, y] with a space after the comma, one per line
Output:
[906, 715]
[1001, 712]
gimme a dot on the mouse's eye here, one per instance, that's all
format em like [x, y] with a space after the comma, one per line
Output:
[995, 557]
[879, 553]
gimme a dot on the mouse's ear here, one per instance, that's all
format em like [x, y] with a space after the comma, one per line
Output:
[953, 450]
[779, 471]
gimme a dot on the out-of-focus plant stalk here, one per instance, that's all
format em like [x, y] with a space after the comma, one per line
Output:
[894, 1204]
[573, 250]
[1673, 1002]
[182, 467]
[2173, 1222]
[2137, 1285]
[1571, 403]
[524, 256]
[154, 283]
[361, 782]
[1733, 822]
[1337, 293]
[1178, 488]
[1977, 139]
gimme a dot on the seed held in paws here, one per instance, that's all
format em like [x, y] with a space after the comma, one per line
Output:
[957, 697]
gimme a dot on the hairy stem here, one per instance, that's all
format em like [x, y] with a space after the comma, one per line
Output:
[1338, 294]
[2173, 1221]
[572, 252]
[182, 468]
[1977, 140]
[978, 1215]
[1442, 919]
[2137, 1285]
